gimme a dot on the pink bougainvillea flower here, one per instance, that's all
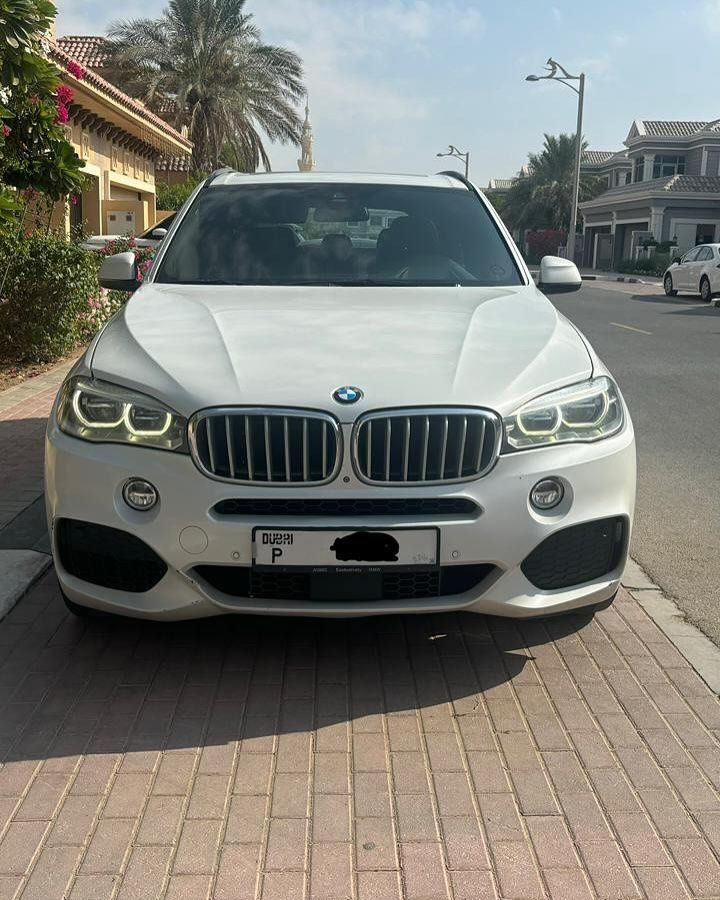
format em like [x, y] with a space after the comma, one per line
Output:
[76, 70]
[64, 94]
[7, 131]
[73, 199]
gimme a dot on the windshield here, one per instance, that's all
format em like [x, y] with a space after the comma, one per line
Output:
[348, 234]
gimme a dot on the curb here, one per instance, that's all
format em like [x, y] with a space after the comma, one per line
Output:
[19, 570]
[697, 649]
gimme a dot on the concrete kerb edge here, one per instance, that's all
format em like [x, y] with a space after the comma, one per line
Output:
[19, 570]
[696, 647]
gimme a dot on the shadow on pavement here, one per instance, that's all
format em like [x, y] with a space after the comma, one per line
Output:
[68, 687]
[661, 298]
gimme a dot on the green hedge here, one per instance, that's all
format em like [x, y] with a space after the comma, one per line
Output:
[50, 299]
[654, 266]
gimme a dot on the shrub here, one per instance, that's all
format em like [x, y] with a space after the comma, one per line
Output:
[544, 243]
[47, 295]
[172, 196]
[654, 266]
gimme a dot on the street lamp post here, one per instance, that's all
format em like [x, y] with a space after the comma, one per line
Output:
[463, 157]
[566, 78]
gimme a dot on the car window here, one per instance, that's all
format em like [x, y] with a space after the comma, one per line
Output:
[704, 254]
[691, 255]
[163, 223]
[319, 233]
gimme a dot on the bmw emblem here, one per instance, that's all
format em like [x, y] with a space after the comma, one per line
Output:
[347, 395]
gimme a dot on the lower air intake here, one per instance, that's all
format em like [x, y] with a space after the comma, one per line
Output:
[107, 557]
[577, 554]
[240, 581]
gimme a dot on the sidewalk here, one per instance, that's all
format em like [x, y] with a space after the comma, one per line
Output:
[24, 548]
[449, 757]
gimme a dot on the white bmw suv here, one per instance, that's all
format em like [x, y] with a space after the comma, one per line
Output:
[339, 395]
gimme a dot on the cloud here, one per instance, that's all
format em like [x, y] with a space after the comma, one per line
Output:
[711, 15]
[82, 17]
[354, 51]
[556, 13]
[619, 39]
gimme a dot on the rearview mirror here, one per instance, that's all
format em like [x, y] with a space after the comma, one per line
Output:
[119, 272]
[558, 276]
[159, 233]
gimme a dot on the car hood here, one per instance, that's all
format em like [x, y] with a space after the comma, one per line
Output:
[198, 346]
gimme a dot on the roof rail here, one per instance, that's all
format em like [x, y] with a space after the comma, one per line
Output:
[450, 173]
[217, 173]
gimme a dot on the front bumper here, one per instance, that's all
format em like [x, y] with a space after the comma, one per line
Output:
[84, 482]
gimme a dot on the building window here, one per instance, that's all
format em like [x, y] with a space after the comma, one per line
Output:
[148, 173]
[85, 144]
[114, 158]
[126, 163]
[628, 178]
[665, 166]
[639, 169]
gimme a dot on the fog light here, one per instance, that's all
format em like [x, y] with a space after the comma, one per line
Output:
[139, 494]
[547, 493]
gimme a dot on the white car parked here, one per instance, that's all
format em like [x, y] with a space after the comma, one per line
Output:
[152, 238]
[392, 419]
[697, 272]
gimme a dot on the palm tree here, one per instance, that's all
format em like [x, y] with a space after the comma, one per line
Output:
[203, 65]
[542, 195]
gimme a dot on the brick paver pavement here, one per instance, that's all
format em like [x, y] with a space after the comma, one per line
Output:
[422, 758]
[23, 413]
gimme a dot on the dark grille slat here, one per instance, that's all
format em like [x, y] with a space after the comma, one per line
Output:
[426, 446]
[241, 581]
[248, 448]
[211, 445]
[346, 506]
[461, 446]
[230, 446]
[274, 447]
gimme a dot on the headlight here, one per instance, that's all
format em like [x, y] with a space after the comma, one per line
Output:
[584, 412]
[96, 411]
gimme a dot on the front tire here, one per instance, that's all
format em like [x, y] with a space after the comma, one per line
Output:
[705, 289]
[668, 285]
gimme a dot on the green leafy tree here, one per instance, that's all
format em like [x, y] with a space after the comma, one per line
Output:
[34, 153]
[542, 195]
[172, 196]
[207, 58]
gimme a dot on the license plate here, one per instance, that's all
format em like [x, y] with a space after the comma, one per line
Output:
[318, 550]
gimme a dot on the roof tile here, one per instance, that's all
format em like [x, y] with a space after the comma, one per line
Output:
[61, 57]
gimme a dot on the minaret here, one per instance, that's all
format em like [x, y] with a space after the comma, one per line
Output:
[306, 163]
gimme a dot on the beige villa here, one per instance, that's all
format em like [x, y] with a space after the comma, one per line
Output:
[120, 141]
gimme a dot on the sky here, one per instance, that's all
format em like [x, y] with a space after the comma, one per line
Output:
[393, 82]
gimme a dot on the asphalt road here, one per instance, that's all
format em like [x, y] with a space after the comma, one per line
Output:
[665, 354]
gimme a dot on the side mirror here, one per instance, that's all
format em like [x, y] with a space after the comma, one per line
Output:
[558, 276]
[119, 272]
[676, 260]
[159, 233]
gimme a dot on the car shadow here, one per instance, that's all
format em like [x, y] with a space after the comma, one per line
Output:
[70, 687]
[662, 298]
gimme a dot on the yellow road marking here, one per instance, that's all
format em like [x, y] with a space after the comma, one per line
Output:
[630, 328]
